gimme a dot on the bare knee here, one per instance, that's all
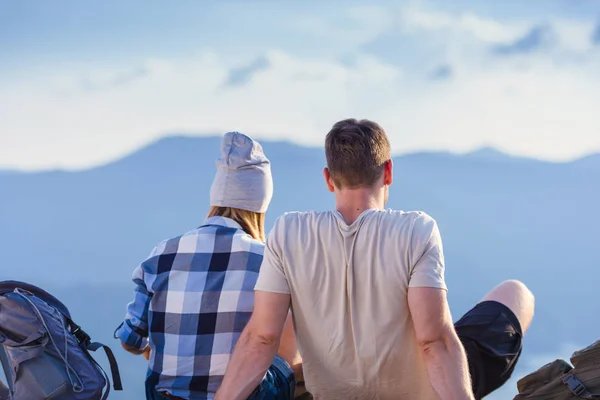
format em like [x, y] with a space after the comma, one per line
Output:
[512, 287]
[517, 297]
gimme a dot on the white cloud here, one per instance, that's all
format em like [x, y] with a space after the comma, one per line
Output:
[341, 30]
[574, 35]
[419, 18]
[56, 122]
[540, 110]
[530, 105]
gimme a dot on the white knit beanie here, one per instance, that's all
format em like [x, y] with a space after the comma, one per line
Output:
[243, 178]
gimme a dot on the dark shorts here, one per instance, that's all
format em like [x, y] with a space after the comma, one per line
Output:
[279, 383]
[492, 337]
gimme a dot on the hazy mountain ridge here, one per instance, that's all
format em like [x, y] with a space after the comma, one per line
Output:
[180, 143]
[84, 232]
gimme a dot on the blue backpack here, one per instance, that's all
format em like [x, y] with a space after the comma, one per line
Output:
[44, 354]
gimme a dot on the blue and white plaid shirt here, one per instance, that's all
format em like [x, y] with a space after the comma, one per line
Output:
[194, 296]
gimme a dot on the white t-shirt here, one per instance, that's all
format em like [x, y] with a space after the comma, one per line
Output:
[348, 287]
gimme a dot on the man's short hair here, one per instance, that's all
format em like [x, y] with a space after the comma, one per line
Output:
[356, 153]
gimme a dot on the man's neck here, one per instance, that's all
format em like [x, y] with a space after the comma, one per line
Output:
[353, 202]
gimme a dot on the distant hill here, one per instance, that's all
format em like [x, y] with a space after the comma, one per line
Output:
[82, 233]
[492, 154]
[489, 153]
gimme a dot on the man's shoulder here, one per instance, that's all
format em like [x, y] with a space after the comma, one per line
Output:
[315, 218]
[300, 218]
[412, 217]
[295, 224]
[416, 225]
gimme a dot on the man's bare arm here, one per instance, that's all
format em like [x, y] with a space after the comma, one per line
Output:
[443, 353]
[256, 347]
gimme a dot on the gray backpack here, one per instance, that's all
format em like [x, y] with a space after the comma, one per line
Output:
[44, 354]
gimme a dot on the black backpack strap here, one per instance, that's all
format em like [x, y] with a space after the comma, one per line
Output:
[112, 361]
[6, 368]
[85, 342]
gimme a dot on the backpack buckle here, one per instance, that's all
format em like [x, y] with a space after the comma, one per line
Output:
[80, 335]
[574, 385]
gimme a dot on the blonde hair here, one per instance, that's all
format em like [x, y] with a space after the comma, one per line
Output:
[251, 222]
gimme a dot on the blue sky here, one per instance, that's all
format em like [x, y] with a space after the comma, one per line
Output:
[84, 82]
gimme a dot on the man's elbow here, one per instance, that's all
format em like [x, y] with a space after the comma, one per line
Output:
[431, 347]
[439, 341]
[261, 338]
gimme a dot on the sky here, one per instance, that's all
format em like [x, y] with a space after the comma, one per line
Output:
[83, 83]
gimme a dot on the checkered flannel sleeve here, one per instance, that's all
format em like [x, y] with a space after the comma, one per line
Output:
[133, 332]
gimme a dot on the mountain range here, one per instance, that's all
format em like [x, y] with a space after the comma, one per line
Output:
[80, 234]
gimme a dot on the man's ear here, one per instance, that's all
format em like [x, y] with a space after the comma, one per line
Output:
[328, 180]
[388, 174]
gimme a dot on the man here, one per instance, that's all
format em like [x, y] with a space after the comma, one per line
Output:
[194, 293]
[367, 291]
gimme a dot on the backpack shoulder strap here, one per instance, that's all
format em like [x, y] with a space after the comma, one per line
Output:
[112, 361]
[6, 368]
[85, 341]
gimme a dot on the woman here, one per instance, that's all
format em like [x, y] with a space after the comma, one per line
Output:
[194, 293]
